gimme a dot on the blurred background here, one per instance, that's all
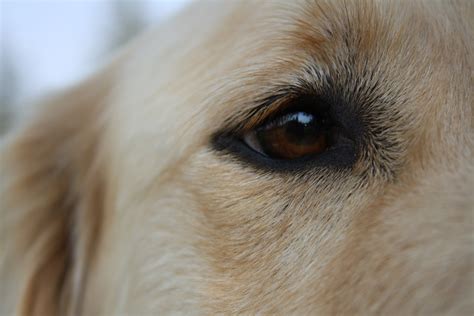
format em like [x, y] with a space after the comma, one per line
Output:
[49, 44]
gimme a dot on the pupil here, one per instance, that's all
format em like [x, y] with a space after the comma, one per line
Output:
[302, 128]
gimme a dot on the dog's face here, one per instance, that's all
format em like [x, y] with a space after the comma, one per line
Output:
[255, 157]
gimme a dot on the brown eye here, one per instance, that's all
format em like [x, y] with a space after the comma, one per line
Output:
[292, 135]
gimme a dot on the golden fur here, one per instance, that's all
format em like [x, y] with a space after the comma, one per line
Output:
[115, 202]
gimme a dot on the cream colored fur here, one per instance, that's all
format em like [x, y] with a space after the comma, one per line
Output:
[114, 201]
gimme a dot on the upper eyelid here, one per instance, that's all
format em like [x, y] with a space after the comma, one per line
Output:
[311, 80]
[264, 109]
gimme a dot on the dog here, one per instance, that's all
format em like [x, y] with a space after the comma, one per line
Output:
[277, 157]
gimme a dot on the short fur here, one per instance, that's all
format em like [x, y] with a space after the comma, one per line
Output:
[115, 201]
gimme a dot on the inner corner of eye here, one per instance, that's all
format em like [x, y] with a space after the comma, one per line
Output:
[250, 138]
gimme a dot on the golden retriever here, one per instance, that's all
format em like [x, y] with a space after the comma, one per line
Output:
[277, 157]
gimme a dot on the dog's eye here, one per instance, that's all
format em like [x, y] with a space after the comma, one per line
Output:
[292, 135]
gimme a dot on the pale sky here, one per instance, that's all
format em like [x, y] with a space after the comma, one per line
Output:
[56, 42]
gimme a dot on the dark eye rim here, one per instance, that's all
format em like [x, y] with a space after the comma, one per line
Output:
[341, 155]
